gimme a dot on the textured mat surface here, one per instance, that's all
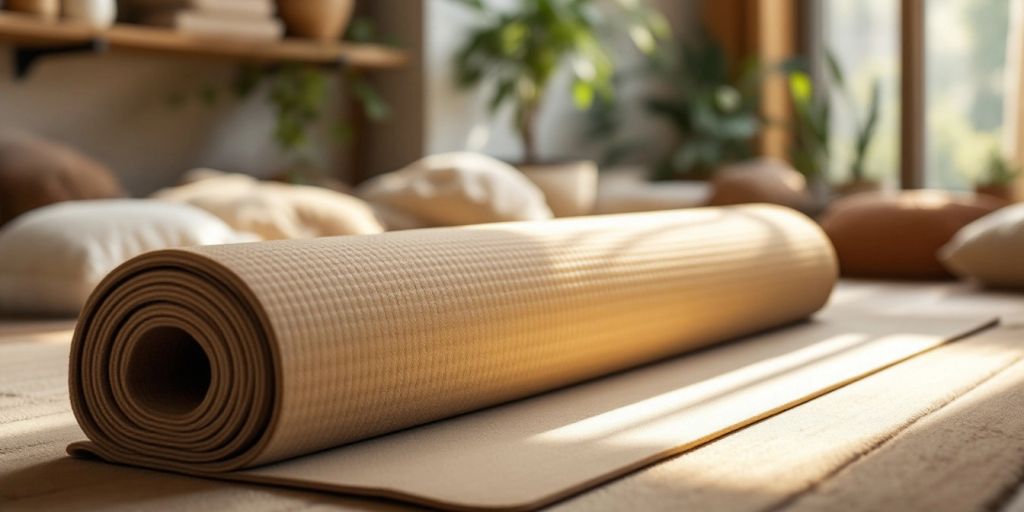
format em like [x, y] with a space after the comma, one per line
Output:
[217, 359]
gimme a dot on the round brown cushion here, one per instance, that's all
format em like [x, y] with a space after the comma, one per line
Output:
[765, 180]
[35, 172]
[898, 235]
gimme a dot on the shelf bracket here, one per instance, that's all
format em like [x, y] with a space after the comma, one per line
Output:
[26, 56]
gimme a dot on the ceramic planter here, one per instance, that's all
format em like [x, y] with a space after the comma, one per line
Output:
[323, 20]
[570, 187]
[95, 13]
[1005, 192]
[858, 186]
[47, 9]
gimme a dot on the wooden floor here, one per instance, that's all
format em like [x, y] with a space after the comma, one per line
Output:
[943, 431]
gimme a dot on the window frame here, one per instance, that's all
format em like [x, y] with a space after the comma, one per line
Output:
[912, 94]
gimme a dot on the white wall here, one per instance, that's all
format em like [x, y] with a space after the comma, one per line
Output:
[116, 109]
[459, 119]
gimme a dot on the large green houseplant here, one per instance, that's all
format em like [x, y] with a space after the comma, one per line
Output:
[518, 51]
[710, 107]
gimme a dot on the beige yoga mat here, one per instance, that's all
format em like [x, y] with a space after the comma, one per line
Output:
[224, 361]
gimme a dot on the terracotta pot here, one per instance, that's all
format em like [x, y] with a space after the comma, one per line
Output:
[760, 180]
[48, 9]
[95, 13]
[1004, 192]
[858, 186]
[323, 20]
[570, 187]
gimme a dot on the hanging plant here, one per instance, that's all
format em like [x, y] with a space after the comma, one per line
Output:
[299, 94]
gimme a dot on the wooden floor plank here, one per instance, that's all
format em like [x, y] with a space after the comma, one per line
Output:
[763, 466]
[752, 470]
[967, 456]
[801, 458]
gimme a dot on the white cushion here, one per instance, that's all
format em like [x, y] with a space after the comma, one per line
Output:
[990, 249]
[54, 256]
[275, 210]
[452, 189]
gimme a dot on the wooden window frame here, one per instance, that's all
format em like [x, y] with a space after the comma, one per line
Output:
[912, 88]
[753, 26]
[912, 94]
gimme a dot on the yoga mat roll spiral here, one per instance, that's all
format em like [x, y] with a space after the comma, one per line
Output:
[212, 359]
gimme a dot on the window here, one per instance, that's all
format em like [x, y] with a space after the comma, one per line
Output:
[963, 57]
[863, 35]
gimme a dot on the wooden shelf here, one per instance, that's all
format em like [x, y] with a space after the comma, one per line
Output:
[30, 32]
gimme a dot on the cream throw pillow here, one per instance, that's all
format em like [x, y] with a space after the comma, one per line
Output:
[453, 189]
[54, 256]
[273, 210]
[990, 249]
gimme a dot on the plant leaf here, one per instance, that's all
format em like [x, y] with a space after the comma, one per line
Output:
[582, 94]
[472, 4]
[834, 69]
[800, 87]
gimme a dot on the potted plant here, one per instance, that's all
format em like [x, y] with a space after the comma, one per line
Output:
[322, 20]
[812, 113]
[299, 94]
[865, 133]
[46, 9]
[811, 151]
[518, 52]
[998, 177]
[715, 112]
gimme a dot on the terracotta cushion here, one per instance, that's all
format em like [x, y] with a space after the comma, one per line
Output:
[764, 180]
[35, 172]
[898, 235]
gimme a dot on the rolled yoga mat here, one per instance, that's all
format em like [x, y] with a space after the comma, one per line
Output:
[224, 361]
